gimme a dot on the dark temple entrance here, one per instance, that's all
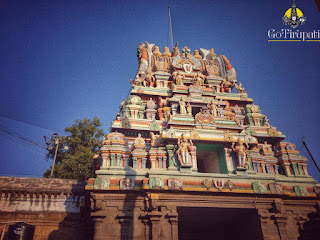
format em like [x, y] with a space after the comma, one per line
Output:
[218, 223]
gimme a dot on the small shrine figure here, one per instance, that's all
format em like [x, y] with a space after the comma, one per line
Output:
[239, 88]
[155, 139]
[213, 108]
[184, 150]
[178, 77]
[241, 153]
[189, 109]
[139, 140]
[186, 52]
[138, 80]
[182, 106]
[176, 51]
[198, 79]
[166, 52]
[266, 148]
[197, 55]
[156, 52]
[266, 121]
[227, 85]
[149, 78]
[194, 134]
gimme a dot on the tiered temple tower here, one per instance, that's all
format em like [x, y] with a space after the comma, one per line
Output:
[185, 138]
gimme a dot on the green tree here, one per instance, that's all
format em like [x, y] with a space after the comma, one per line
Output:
[76, 150]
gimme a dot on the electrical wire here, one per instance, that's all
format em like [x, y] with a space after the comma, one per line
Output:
[21, 137]
[30, 124]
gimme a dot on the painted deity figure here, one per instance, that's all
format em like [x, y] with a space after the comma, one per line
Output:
[184, 150]
[240, 150]
[149, 78]
[213, 108]
[198, 79]
[178, 77]
[182, 106]
[156, 52]
[189, 109]
[239, 88]
[227, 84]
[166, 52]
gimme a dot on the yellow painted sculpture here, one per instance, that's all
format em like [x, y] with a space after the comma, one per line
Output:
[166, 52]
[197, 55]
[156, 52]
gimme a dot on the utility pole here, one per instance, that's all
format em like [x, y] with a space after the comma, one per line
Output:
[305, 145]
[56, 143]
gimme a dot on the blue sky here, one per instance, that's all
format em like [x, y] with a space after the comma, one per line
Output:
[64, 60]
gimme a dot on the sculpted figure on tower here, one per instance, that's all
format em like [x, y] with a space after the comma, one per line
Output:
[241, 154]
[184, 150]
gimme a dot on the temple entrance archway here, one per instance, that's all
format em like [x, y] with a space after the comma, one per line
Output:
[218, 223]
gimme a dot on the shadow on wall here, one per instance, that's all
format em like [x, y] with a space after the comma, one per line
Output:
[76, 224]
[311, 228]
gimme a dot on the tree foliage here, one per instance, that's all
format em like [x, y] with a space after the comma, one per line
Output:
[76, 150]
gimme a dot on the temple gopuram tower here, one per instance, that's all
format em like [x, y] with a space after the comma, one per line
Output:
[190, 156]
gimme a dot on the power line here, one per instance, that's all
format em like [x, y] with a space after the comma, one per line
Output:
[22, 138]
[22, 143]
[29, 124]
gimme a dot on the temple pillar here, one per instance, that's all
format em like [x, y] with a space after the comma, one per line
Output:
[171, 155]
[304, 169]
[112, 160]
[105, 160]
[173, 219]
[268, 227]
[263, 167]
[125, 161]
[153, 159]
[281, 222]
[164, 161]
[155, 218]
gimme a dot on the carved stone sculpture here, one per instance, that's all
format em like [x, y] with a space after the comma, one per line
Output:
[126, 184]
[207, 183]
[166, 52]
[198, 79]
[259, 188]
[182, 107]
[197, 55]
[276, 188]
[219, 184]
[241, 154]
[151, 111]
[300, 190]
[239, 88]
[174, 184]
[184, 151]
[156, 183]
[156, 52]
[101, 183]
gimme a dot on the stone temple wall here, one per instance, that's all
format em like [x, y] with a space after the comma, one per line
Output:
[56, 207]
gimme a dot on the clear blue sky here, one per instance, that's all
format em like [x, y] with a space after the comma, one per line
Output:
[64, 60]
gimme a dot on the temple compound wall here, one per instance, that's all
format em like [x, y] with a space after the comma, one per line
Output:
[55, 207]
